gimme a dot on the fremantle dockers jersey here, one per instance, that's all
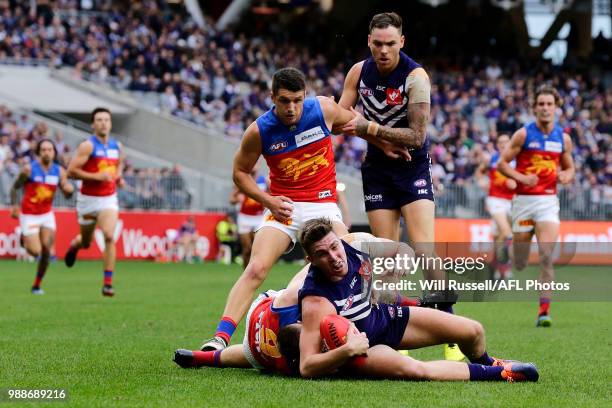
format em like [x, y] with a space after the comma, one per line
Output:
[497, 181]
[540, 155]
[352, 295]
[40, 189]
[385, 101]
[104, 157]
[300, 157]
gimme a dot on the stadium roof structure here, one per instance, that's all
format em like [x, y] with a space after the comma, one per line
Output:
[34, 88]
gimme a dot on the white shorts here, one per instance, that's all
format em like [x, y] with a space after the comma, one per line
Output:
[246, 347]
[527, 210]
[88, 207]
[248, 223]
[302, 212]
[30, 224]
[496, 205]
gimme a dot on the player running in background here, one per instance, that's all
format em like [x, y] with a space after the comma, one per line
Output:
[97, 163]
[294, 138]
[394, 92]
[499, 203]
[39, 181]
[539, 149]
[250, 216]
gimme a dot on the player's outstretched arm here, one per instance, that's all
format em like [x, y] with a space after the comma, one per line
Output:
[19, 182]
[510, 152]
[75, 167]
[66, 186]
[313, 363]
[568, 171]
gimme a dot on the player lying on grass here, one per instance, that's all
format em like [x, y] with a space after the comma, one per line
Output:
[273, 341]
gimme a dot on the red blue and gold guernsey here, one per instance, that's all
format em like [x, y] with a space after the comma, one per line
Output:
[264, 325]
[250, 206]
[497, 185]
[300, 157]
[540, 155]
[40, 189]
[104, 157]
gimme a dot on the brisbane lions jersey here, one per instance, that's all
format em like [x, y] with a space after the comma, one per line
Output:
[103, 158]
[40, 189]
[264, 325]
[497, 185]
[300, 157]
[540, 155]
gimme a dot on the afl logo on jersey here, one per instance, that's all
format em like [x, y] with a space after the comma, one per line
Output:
[420, 183]
[348, 303]
[365, 91]
[394, 97]
[275, 147]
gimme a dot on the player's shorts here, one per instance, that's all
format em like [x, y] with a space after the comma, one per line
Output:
[88, 207]
[394, 187]
[31, 224]
[388, 324]
[248, 223]
[497, 205]
[246, 344]
[527, 210]
[302, 212]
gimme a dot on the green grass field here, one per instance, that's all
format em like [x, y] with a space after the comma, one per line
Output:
[118, 352]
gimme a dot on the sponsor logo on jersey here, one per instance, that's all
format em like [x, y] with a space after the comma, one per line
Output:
[373, 198]
[365, 91]
[420, 183]
[555, 147]
[325, 194]
[394, 96]
[422, 191]
[348, 303]
[112, 153]
[309, 136]
[51, 180]
[308, 164]
[380, 88]
[399, 312]
[278, 146]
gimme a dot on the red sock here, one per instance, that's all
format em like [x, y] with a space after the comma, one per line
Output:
[544, 306]
[207, 358]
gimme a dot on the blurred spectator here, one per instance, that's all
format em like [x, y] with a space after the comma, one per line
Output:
[227, 235]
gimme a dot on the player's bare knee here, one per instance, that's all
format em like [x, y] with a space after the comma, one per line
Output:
[255, 271]
[476, 331]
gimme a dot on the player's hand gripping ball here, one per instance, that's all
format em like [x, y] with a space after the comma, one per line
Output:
[334, 331]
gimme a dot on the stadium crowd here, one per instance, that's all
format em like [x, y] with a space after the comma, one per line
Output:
[149, 188]
[220, 80]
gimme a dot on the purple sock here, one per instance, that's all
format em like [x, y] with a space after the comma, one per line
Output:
[482, 360]
[479, 372]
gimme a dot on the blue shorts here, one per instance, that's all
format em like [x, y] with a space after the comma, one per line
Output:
[392, 187]
[387, 324]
